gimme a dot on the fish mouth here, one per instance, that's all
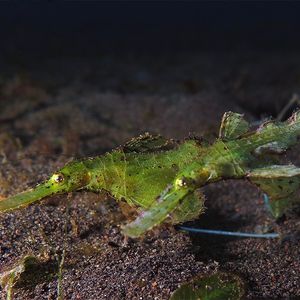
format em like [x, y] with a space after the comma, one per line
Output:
[23, 199]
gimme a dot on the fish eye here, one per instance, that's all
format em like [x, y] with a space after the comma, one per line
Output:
[58, 178]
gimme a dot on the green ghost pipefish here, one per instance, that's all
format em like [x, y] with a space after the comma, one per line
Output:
[161, 178]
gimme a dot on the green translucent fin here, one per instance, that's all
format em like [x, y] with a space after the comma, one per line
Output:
[148, 143]
[270, 148]
[280, 183]
[189, 209]
[279, 136]
[157, 213]
[232, 126]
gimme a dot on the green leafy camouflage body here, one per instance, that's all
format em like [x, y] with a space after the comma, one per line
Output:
[161, 178]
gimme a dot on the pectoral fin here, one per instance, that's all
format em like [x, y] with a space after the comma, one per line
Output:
[189, 209]
[157, 213]
[280, 183]
[233, 125]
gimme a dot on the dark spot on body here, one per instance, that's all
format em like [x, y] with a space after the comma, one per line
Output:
[280, 187]
[159, 167]
[175, 167]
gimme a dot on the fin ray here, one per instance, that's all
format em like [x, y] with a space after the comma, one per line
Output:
[148, 143]
[157, 213]
[189, 209]
[233, 125]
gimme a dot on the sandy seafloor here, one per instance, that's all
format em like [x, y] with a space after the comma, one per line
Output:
[57, 109]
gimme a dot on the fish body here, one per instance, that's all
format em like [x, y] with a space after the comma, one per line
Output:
[139, 178]
[161, 178]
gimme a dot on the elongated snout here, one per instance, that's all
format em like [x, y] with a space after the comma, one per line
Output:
[71, 177]
[25, 198]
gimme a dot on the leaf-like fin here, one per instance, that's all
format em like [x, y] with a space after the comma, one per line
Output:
[232, 126]
[148, 143]
[189, 209]
[270, 148]
[157, 213]
[280, 183]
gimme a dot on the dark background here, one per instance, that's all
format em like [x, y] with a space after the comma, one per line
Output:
[253, 43]
[56, 28]
[78, 79]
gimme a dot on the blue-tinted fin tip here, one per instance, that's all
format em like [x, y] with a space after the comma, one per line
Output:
[267, 203]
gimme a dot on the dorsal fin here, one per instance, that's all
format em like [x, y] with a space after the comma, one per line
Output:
[232, 126]
[268, 125]
[295, 117]
[148, 143]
